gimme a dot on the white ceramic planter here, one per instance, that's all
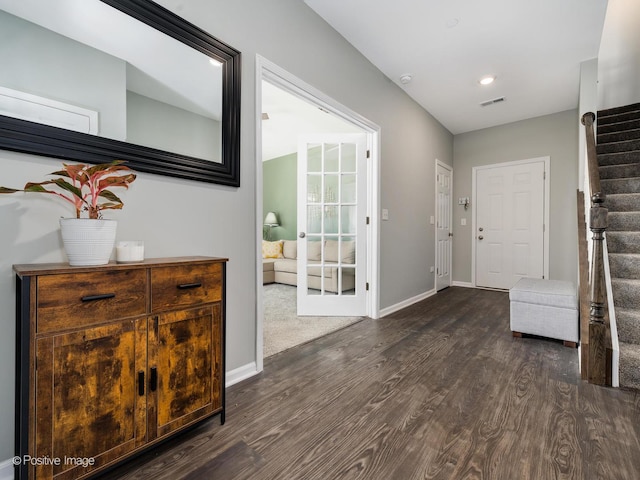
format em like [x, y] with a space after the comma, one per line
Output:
[88, 241]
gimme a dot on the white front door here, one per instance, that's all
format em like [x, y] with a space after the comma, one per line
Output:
[332, 223]
[443, 226]
[509, 236]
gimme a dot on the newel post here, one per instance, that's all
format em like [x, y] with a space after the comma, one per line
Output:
[597, 327]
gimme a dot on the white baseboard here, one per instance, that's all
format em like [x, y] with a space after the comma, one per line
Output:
[6, 470]
[237, 375]
[406, 303]
[462, 284]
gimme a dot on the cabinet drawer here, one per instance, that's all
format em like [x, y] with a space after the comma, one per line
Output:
[83, 299]
[178, 286]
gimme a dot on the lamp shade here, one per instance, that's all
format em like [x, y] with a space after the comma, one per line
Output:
[271, 219]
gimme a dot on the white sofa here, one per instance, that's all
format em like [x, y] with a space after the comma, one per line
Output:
[284, 268]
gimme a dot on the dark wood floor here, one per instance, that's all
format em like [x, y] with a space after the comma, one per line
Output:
[440, 390]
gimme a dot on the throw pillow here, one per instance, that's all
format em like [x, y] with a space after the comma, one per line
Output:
[272, 249]
[290, 249]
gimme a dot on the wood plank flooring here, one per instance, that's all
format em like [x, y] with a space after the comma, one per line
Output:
[439, 390]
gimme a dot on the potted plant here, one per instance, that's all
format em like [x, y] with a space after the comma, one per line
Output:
[87, 241]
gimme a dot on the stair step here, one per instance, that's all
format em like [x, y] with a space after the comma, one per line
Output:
[624, 265]
[623, 221]
[623, 202]
[628, 323]
[617, 136]
[626, 292]
[629, 365]
[619, 127]
[623, 242]
[617, 147]
[620, 185]
[618, 158]
[624, 170]
[618, 114]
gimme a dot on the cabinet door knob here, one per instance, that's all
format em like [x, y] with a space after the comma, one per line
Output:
[153, 379]
[141, 383]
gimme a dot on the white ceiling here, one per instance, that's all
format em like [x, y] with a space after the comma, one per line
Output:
[289, 118]
[533, 47]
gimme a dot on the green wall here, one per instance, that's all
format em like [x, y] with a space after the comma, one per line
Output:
[280, 195]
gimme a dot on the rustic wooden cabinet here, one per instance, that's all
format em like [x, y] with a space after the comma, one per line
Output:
[113, 359]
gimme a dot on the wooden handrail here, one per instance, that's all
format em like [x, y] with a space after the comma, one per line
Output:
[597, 368]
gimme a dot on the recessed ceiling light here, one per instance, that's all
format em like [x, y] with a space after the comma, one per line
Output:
[487, 80]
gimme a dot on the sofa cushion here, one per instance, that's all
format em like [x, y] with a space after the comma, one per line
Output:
[290, 249]
[286, 265]
[272, 249]
[348, 253]
[314, 249]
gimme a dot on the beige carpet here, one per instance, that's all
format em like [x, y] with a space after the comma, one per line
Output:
[283, 329]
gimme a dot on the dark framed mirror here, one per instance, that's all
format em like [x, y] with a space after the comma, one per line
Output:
[166, 99]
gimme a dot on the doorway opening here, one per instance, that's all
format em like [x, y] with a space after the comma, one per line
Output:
[282, 97]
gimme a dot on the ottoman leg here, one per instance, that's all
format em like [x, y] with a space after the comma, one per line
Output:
[570, 344]
[517, 334]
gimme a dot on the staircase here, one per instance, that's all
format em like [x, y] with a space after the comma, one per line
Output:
[618, 147]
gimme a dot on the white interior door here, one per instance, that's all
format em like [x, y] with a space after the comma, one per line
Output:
[509, 234]
[443, 226]
[332, 220]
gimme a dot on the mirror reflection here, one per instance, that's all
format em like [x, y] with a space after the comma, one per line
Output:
[85, 66]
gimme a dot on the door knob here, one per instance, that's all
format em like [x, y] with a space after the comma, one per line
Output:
[480, 237]
[302, 235]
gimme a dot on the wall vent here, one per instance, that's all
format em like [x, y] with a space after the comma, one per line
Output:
[491, 102]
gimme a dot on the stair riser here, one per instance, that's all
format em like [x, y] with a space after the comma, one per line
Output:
[623, 242]
[626, 294]
[623, 202]
[624, 266]
[625, 146]
[618, 127]
[628, 329]
[621, 185]
[617, 116]
[624, 221]
[617, 136]
[629, 367]
[618, 158]
[620, 171]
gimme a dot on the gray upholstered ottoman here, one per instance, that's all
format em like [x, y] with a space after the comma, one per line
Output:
[548, 308]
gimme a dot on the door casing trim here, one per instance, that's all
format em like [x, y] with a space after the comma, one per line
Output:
[269, 71]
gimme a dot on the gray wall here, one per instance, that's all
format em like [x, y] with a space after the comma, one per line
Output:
[176, 217]
[555, 136]
[160, 125]
[37, 61]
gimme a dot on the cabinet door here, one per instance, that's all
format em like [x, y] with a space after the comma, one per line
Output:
[89, 404]
[185, 356]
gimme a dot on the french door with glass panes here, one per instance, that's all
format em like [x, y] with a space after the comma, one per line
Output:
[332, 219]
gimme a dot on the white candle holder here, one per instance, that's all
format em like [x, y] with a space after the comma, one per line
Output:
[130, 251]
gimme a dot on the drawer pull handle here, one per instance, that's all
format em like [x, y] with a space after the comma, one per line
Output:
[184, 286]
[153, 379]
[141, 383]
[93, 298]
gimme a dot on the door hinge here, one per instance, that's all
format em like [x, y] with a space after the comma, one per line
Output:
[368, 153]
[367, 220]
[367, 286]
[544, 175]
[544, 227]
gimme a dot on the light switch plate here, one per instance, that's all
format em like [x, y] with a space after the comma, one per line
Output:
[463, 222]
[385, 214]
